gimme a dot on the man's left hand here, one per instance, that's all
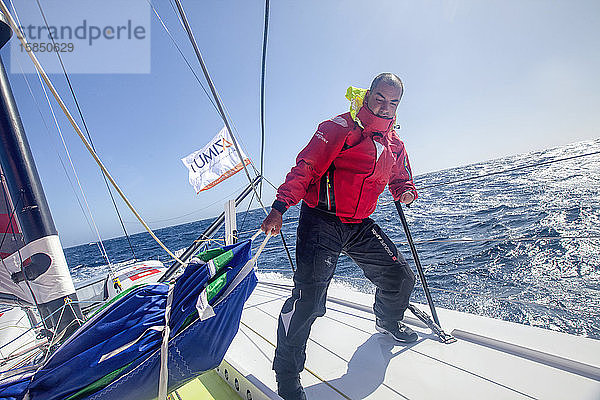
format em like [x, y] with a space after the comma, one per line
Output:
[407, 197]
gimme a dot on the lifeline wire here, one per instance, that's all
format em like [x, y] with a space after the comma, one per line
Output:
[78, 130]
[521, 167]
[519, 239]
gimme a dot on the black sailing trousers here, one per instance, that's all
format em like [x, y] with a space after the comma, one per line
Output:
[321, 238]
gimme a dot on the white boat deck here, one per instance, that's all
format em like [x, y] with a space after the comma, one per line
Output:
[347, 358]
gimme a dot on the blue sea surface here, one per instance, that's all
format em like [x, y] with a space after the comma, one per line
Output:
[522, 246]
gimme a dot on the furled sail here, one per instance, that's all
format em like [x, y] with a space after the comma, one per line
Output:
[12, 237]
[117, 352]
[32, 273]
[11, 240]
[34, 269]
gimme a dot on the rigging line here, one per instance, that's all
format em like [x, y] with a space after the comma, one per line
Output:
[48, 129]
[239, 137]
[522, 302]
[175, 11]
[216, 96]
[102, 250]
[197, 210]
[246, 215]
[47, 355]
[183, 55]
[289, 256]
[270, 183]
[509, 170]
[194, 72]
[76, 127]
[510, 208]
[21, 335]
[223, 115]
[52, 141]
[233, 127]
[517, 239]
[82, 120]
[262, 92]
[191, 68]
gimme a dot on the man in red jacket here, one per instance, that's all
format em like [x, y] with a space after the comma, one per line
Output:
[339, 176]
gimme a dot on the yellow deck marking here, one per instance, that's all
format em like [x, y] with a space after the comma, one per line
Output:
[208, 386]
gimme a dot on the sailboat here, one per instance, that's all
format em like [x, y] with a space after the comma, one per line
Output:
[348, 359]
[122, 348]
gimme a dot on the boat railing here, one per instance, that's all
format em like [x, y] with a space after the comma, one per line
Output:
[43, 339]
[365, 281]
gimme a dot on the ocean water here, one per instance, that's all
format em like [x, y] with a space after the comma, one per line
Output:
[522, 246]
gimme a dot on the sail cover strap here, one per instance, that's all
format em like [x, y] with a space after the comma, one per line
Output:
[246, 269]
[164, 349]
[205, 310]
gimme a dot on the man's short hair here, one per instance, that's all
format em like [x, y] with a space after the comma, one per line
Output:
[389, 79]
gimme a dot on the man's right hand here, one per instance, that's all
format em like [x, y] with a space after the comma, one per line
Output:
[272, 223]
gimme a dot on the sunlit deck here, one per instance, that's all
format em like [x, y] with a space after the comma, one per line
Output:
[347, 358]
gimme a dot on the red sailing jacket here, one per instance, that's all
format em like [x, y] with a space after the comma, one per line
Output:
[344, 168]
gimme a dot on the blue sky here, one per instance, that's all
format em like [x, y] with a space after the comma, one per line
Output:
[483, 80]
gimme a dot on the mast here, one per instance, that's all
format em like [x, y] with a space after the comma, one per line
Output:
[39, 268]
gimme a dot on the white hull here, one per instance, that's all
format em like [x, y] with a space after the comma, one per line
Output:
[347, 358]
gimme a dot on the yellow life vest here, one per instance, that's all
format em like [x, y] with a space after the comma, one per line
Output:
[356, 97]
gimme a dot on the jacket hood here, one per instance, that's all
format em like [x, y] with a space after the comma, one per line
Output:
[364, 117]
[371, 123]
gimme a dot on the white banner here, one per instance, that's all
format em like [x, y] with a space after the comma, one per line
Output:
[217, 161]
